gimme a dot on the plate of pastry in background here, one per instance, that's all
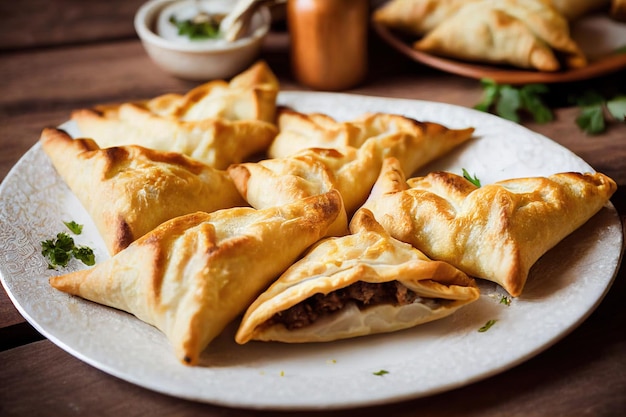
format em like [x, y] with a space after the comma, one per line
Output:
[537, 41]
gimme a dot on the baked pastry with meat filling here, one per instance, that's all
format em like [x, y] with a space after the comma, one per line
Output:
[359, 284]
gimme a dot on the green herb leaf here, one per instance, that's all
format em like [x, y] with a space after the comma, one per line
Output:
[487, 326]
[471, 179]
[591, 119]
[491, 91]
[64, 242]
[85, 255]
[76, 228]
[617, 108]
[196, 30]
[381, 372]
[531, 102]
[59, 251]
[511, 102]
[505, 300]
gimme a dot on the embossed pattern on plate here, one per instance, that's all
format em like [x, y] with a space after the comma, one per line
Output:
[565, 286]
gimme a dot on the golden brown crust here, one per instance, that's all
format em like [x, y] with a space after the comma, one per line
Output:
[529, 34]
[482, 33]
[416, 17]
[496, 232]
[217, 123]
[130, 190]
[368, 255]
[194, 274]
[251, 95]
[413, 142]
[346, 156]
[274, 182]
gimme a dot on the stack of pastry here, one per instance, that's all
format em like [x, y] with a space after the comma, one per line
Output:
[318, 240]
[529, 34]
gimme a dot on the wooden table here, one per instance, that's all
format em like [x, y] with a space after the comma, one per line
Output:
[55, 58]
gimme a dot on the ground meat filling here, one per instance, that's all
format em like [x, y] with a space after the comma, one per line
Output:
[364, 294]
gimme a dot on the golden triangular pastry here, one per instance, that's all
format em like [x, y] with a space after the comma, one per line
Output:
[250, 95]
[360, 284]
[524, 33]
[495, 232]
[414, 142]
[349, 169]
[481, 32]
[217, 123]
[191, 276]
[130, 190]
[545, 22]
[416, 17]
[274, 182]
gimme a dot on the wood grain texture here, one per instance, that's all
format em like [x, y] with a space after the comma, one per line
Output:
[43, 23]
[65, 54]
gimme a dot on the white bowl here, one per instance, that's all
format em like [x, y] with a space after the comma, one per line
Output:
[200, 60]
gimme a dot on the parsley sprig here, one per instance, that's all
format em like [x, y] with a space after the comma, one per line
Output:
[60, 251]
[471, 179]
[76, 228]
[487, 325]
[512, 103]
[595, 111]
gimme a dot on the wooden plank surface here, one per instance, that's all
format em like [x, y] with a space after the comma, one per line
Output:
[44, 23]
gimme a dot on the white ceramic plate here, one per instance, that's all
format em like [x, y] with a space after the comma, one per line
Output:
[565, 286]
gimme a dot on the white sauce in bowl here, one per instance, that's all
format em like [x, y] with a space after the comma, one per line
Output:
[187, 10]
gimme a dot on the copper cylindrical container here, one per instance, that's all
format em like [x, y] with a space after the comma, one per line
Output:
[328, 42]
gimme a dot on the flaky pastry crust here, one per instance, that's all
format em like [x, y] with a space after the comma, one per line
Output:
[413, 142]
[192, 275]
[130, 190]
[367, 255]
[495, 232]
[218, 123]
